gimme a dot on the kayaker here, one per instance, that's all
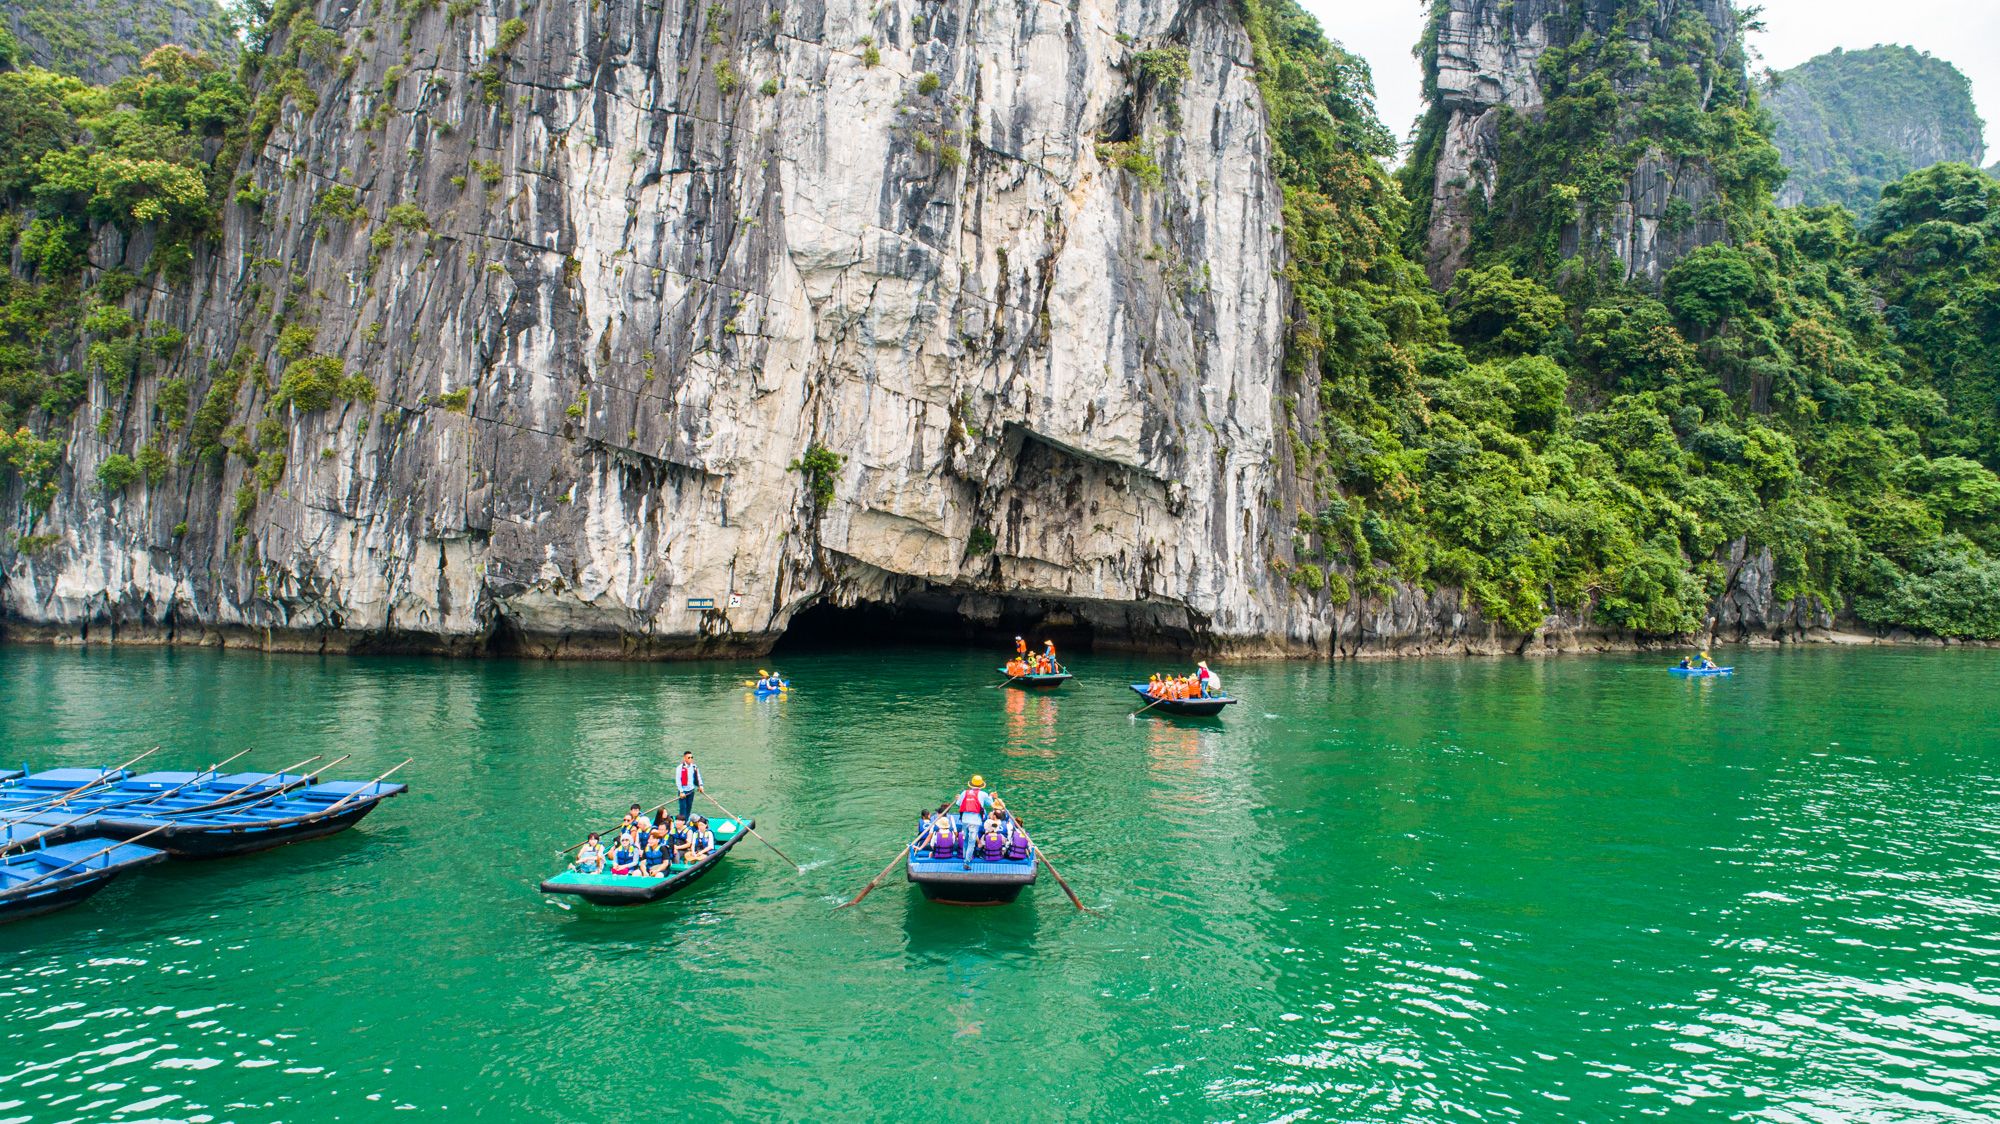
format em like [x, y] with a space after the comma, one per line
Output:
[1706, 663]
[590, 859]
[687, 782]
[1687, 663]
[972, 807]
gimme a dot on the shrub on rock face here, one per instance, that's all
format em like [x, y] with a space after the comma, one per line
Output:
[117, 472]
[1711, 285]
[1497, 313]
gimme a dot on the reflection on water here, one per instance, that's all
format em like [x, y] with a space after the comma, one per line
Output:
[1552, 890]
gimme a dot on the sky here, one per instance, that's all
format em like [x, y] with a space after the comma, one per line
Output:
[1965, 33]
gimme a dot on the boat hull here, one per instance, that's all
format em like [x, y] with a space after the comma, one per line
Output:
[20, 898]
[1184, 708]
[625, 889]
[1037, 682]
[218, 841]
[1701, 672]
[956, 882]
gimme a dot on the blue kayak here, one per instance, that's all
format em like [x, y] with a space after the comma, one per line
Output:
[764, 692]
[1701, 671]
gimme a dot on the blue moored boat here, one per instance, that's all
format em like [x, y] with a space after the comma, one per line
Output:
[241, 829]
[44, 879]
[1699, 672]
[1207, 706]
[154, 794]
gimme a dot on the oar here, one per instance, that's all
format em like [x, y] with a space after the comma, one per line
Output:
[1143, 710]
[211, 772]
[753, 831]
[877, 880]
[18, 886]
[107, 776]
[338, 804]
[1010, 680]
[1060, 882]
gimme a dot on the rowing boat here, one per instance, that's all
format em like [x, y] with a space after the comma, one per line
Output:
[958, 880]
[1034, 681]
[241, 829]
[634, 889]
[1698, 672]
[152, 793]
[1207, 706]
[46, 879]
[51, 785]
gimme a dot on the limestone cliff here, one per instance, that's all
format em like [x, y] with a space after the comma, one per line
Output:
[609, 328]
[1493, 68]
[101, 41]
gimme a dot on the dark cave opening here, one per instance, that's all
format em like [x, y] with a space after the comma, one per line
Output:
[927, 617]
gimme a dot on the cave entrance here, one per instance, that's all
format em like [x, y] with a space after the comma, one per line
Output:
[931, 617]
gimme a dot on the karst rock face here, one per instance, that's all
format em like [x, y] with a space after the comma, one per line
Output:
[615, 270]
[1486, 66]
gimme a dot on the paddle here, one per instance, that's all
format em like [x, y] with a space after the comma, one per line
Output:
[753, 831]
[94, 854]
[1143, 710]
[877, 880]
[108, 776]
[338, 804]
[211, 772]
[1061, 882]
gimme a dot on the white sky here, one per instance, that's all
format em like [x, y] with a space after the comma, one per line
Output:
[1965, 33]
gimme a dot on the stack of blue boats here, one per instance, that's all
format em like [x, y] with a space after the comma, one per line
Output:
[67, 833]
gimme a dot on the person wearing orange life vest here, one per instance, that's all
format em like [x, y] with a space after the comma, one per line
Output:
[1049, 654]
[1153, 686]
[1020, 647]
[973, 804]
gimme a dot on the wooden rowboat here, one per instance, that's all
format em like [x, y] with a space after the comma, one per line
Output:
[1207, 707]
[633, 889]
[1034, 682]
[45, 879]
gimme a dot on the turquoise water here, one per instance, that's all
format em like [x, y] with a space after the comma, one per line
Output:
[1574, 889]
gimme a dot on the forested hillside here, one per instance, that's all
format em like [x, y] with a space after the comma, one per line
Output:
[1851, 122]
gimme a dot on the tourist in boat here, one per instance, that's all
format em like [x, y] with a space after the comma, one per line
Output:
[1687, 663]
[653, 853]
[701, 842]
[973, 804]
[992, 845]
[1706, 663]
[1016, 668]
[944, 841]
[926, 829]
[1020, 648]
[771, 681]
[1049, 654]
[687, 782]
[590, 859]
[624, 857]
[1153, 686]
[637, 820]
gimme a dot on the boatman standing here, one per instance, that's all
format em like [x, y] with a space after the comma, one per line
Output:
[973, 804]
[687, 781]
[1210, 682]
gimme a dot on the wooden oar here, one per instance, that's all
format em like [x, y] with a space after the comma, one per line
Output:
[902, 854]
[211, 772]
[18, 886]
[338, 804]
[1143, 710]
[108, 776]
[1060, 882]
[753, 831]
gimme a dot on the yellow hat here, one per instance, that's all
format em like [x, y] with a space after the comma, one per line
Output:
[761, 671]
[978, 781]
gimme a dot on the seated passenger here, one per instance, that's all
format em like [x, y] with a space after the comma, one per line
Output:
[701, 841]
[1018, 846]
[1153, 686]
[680, 838]
[991, 846]
[653, 853]
[636, 818]
[624, 857]
[590, 860]
[944, 842]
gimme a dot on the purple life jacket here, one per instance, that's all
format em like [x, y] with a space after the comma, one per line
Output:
[944, 846]
[1017, 847]
[991, 848]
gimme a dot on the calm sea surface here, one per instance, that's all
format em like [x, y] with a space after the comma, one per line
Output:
[1574, 889]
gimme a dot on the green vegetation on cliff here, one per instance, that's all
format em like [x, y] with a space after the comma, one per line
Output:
[102, 41]
[1851, 122]
[1551, 439]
